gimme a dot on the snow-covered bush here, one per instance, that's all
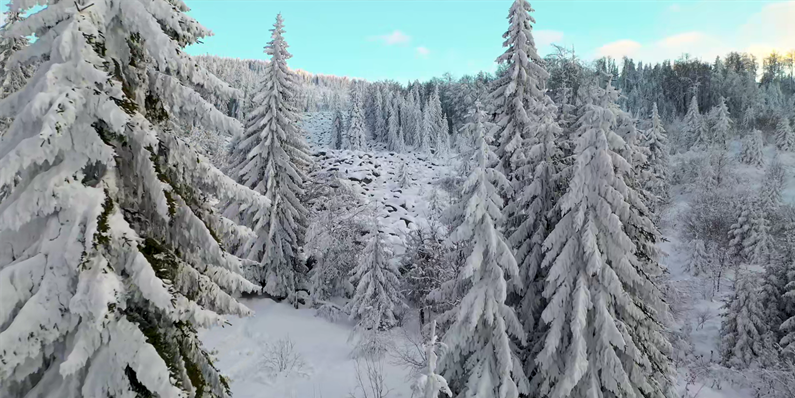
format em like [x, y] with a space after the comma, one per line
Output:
[282, 357]
[426, 265]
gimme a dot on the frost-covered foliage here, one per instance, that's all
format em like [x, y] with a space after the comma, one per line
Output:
[430, 384]
[520, 89]
[332, 239]
[750, 235]
[270, 158]
[603, 311]
[394, 138]
[745, 339]
[785, 137]
[752, 149]
[770, 199]
[13, 75]
[700, 260]
[720, 132]
[338, 131]
[529, 215]
[481, 361]
[357, 131]
[377, 303]
[694, 131]
[658, 160]
[111, 255]
[426, 266]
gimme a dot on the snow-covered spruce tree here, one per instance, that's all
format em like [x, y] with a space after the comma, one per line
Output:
[430, 384]
[721, 126]
[110, 258]
[750, 235]
[270, 158]
[752, 149]
[379, 128]
[699, 260]
[404, 176]
[530, 218]
[659, 163]
[377, 303]
[522, 85]
[425, 137]
[744, 335]
[694, 131]
[481, 361]
[338, 132]
[785, 137]
[787, 306]
[443, 138]
[434, 132]
[772, 188]
[394, 141]
[603, 309]
[412, 113]
[356, 127]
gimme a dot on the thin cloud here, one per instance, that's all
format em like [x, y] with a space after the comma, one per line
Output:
[675, 8]
[618, 49]
[394, 38]
[423, 52]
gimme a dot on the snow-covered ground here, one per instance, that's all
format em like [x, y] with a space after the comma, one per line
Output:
[325, 347]
[328, 371]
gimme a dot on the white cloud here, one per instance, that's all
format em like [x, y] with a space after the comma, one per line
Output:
[770, 29]
[396, 37]
[618, 49]
[423, 51]
[544, 38]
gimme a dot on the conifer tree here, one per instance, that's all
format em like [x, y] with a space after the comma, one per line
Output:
[481, 361]
[356, 128]
[699, 261]
[379, 124]
[270, 158]
[772, 187]
[443, 137]
[785, 137]
[404, 177]
[721, 128]
[752, 149]
[603, 309]
[522, 85]
[424, 138]
[410, 128]
[394, 141]
[377, 303]
[659, 163]
[338, 132]
[744, 335]
[111, 258]
[529, 220]
[694, 131]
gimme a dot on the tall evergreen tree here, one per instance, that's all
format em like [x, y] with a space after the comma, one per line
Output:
[111, 258]
[694, 131]
[357, 131]
[745, 338]
[394, 141]
[751, 153]
[270, 158]
[750, 235]
[379, 132]
[659, 163]
[480, 361]
[721, 127]
[603, 309]
[338, 131]
[519, 88]
[785, 137]
[377, 302]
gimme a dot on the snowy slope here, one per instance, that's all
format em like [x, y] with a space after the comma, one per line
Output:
[328, 370]
[697, 313]
[325, 346]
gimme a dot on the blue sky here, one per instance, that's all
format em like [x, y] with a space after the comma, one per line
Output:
[419, 39]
